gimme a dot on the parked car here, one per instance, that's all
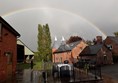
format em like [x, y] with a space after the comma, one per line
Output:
[62, 70]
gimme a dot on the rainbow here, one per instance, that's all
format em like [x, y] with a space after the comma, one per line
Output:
[65, 11]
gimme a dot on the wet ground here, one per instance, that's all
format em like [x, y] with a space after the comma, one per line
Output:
[111, 70]
[31, 76]
[25, 76]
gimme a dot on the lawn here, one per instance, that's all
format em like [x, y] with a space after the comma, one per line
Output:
[23, 65]
[42, 65]
[39, 65]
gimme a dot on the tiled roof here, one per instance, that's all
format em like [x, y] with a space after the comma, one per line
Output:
[91, 50]
[55, 45]
[67, 47]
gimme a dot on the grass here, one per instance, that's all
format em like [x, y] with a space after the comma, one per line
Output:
[38, 66]
[42, 65]
[23, 65]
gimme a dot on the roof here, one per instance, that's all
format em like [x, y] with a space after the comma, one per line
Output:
[91, 50]
[55, 45]
[10, 28]
[27, 50]
[113, 38]
[67, 47]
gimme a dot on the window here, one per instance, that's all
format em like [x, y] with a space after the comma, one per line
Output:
[9, 57]
[110, 47]
[105, 58]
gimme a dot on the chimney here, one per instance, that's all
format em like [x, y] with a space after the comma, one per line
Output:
[99, 39]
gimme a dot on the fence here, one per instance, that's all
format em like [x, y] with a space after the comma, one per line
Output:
[92, 75]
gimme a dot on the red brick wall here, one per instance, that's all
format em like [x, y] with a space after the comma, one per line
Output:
[70, 56]
[8, 44]
[108, 41]
[61, 57]
[77, 50]
[100, 56]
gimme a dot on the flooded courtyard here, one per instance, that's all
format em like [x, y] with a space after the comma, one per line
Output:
[32, 76]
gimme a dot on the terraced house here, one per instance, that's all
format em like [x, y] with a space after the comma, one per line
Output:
[8, 50]
[112, 43]
[98, 53]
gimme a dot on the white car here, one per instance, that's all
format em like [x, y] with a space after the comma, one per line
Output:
[63, 70]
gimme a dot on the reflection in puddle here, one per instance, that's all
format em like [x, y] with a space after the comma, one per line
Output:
[30, 76]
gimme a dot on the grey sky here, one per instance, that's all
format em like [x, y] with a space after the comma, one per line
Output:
[65, 17]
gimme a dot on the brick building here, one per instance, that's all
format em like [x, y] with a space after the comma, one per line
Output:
[112, 43]
[68, 52]
[8, 50]
[98, 53]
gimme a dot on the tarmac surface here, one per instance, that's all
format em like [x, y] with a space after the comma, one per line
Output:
[111, 70]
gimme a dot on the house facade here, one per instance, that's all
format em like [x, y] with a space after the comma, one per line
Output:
[68, 52]
[8, 50]
[98, 53]
[112, 43]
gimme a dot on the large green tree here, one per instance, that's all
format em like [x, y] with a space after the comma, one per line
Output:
[116, 34]
[44, 42]
[48, 42]
[40, 41]
[73, 39]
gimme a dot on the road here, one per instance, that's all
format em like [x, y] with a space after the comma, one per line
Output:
[111, 70]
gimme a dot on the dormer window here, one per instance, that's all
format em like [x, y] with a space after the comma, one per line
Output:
[110, 47]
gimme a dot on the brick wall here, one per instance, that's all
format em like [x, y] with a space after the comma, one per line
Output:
[8, 44]
[77, 50]
[114, 50]
[71, 56]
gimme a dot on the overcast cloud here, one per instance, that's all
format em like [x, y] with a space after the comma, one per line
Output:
[65, 17]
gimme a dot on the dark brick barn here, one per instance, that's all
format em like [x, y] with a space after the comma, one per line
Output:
[8, 50]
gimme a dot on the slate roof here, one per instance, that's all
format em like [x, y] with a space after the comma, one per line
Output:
[91, 50]
[67, 47]
[55, 45]
[9, 27]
